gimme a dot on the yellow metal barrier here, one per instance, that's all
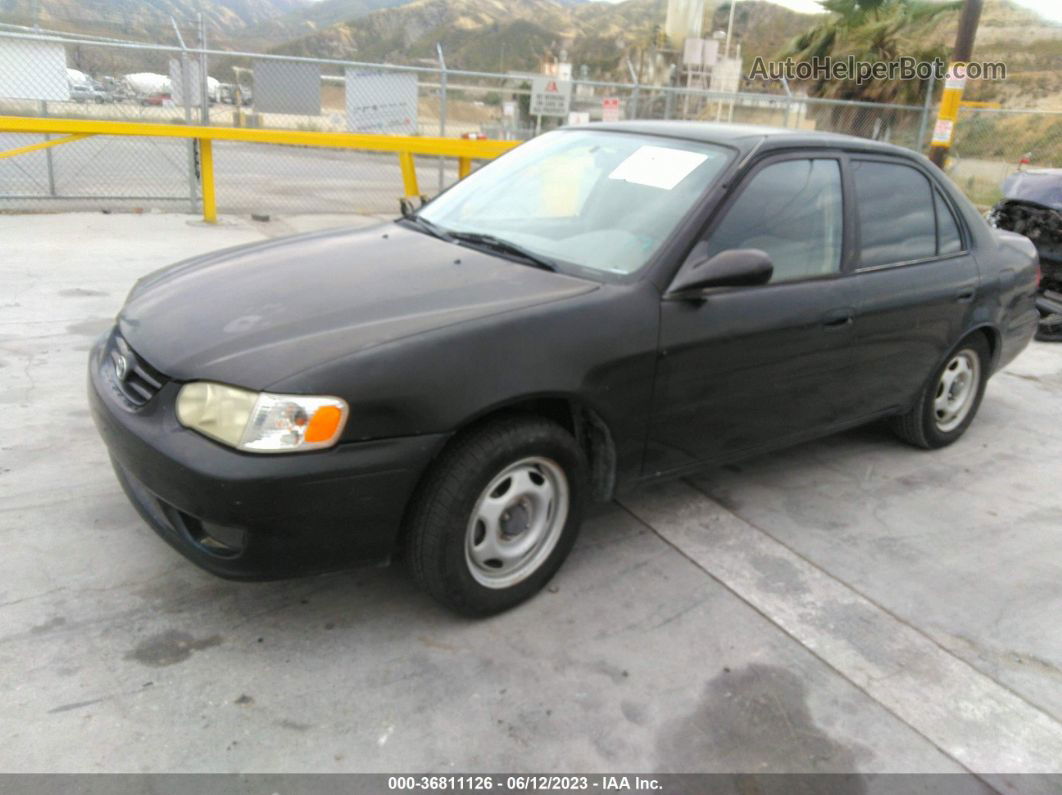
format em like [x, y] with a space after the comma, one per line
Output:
[206, 171]
[406, 147]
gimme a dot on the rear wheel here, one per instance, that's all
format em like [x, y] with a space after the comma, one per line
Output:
[497, 514]
[950, 399]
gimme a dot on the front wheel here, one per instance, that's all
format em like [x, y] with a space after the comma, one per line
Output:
[950, 399]
[497, 514]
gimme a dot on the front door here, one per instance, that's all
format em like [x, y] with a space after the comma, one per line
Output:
[751, 368]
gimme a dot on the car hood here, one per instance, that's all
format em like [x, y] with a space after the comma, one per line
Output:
[256, 314]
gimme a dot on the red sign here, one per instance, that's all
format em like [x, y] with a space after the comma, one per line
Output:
[610, 109]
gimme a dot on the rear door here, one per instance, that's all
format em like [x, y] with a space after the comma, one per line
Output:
[754, 367]
[916, 277]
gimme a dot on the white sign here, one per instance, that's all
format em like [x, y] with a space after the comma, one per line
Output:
[710, 52]
[550, 97]
[726, 75]
[378, 102]
[286, 87]
[509, 109]
[578, 117]
[610, 109]
[942, 131]
[33, 70]
[700, 52]
[658, 166]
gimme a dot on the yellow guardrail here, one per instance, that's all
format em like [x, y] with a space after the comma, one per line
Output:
[405, 146]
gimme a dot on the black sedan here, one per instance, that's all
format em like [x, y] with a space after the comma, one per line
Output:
[603, 306]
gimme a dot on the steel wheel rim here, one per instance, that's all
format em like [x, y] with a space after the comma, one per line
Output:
[956, 390]
[516, 522]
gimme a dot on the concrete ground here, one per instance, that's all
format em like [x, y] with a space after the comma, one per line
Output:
[851, 605]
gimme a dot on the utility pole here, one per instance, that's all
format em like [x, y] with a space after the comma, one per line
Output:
[944, 131]
[730, 28]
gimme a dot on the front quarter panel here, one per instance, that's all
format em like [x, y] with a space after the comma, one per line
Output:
[598, 349]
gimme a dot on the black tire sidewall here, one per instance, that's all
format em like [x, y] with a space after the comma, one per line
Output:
[934, 436]
[534, 438]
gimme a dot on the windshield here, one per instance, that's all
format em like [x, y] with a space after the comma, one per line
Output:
[596, 199]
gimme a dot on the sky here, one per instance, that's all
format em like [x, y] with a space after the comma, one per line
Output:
[1050, 9]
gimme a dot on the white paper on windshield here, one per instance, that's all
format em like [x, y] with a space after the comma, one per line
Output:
[658, 166]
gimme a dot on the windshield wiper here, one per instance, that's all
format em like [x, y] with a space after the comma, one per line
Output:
[506, 247]
[424, 225]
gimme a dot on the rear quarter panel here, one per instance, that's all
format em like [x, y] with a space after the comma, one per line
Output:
[1009, 276]
[1009, 268]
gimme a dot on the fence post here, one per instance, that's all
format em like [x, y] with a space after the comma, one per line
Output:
[206, 168]
[48, 154]
[632, 109]
[409, 174]
[204, 81]
[193, 188]
[927, 106]
[442, 110]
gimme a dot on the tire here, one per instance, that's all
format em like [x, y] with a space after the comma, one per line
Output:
[497, 514]
[937, 420]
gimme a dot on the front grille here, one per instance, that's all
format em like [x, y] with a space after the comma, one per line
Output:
[132, 377]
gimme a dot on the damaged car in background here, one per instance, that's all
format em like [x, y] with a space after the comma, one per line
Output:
[1032, 206]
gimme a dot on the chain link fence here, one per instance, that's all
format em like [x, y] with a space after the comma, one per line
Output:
[991, 143]
[132, 81]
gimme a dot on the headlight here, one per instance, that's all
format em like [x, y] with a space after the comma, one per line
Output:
[260, 422]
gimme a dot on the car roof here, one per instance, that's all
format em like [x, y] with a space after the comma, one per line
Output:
[747, 137]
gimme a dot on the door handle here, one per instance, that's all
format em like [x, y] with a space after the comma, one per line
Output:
[966, 295]
[838, 319]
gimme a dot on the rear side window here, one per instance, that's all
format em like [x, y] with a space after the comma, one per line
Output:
[792, 210]
[896, 217]
[949, 241]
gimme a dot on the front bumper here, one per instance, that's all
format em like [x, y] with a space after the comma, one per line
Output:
[250, 516]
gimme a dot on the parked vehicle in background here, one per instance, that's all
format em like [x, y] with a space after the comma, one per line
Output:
[1032, 206]
[79, 92]
[602, 306]
[90, 91]
[116, 90]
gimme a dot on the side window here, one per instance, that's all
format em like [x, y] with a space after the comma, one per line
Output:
[896, 220]
[792, 210]
[949, 241]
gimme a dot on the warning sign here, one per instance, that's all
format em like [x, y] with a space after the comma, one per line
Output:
[550, 97]
[610, 109]
[942, 132]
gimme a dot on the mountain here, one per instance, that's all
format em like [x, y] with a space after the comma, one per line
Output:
[520, 35]
[474, 33]
[149, 20]
[310, 17]
[1028, 44]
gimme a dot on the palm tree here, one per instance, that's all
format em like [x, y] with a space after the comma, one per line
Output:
[871, 30]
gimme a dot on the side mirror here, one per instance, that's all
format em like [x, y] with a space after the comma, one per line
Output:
[736, 267]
